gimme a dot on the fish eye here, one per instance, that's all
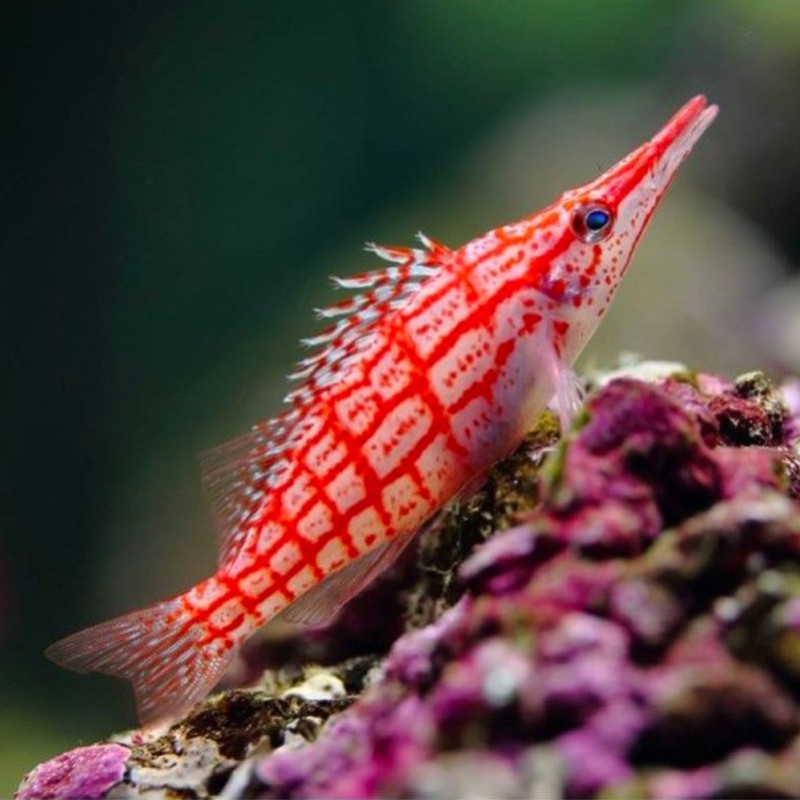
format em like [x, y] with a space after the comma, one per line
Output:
[592, 222]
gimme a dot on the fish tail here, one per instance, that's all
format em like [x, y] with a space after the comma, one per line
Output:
[163, 650]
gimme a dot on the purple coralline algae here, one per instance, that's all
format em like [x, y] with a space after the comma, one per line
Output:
[83, 773]
[615, 615]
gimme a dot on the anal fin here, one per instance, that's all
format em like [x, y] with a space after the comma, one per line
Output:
[319, 606]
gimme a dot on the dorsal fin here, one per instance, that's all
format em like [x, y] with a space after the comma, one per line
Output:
[383, 291]
[237, 474]
[320, 605]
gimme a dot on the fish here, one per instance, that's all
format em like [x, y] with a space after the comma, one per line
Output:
[430, 371]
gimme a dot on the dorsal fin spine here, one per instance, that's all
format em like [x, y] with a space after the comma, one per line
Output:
[238, 475]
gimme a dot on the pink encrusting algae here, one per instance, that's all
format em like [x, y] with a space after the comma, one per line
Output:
[429, 375]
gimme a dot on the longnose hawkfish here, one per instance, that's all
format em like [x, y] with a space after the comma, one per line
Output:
[432, 371]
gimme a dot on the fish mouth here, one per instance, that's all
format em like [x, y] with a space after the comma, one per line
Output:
[650, 168]
[685, 127]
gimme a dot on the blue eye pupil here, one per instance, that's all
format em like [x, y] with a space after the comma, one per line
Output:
[597, 219]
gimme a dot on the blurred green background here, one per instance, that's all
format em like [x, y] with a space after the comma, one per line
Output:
[178, 179]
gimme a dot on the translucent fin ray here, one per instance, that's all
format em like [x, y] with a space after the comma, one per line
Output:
[567, 387]
[320, 605]
[235, 474]
[156, 651]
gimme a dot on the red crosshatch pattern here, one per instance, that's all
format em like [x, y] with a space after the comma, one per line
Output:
[425, 376]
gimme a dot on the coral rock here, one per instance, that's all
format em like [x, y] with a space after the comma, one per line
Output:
[617, 616]
[85, 772]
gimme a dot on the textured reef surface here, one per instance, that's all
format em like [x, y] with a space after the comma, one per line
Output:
[613, 614]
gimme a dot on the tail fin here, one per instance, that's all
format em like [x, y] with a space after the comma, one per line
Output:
[157, 650]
